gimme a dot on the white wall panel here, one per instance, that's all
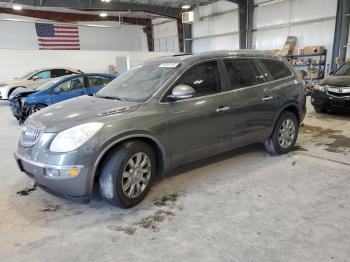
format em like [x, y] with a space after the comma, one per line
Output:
[312, 9]
[87, 61]
[229, 42]
[215, 32]
[165, 34]
[22, 35]
[272, 14]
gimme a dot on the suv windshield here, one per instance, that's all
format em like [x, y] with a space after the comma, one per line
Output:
[140, 83]
[343, 70]
[27, 75]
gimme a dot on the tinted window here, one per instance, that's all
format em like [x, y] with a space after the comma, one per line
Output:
[60, 72]
[204, 78]
[98, 80]
[69, 85]
[243, 73]
[277, 69]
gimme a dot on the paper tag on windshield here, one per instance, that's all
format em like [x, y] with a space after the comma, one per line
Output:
[169, 65]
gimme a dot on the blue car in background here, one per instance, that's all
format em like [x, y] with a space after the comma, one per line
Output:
[25, 101]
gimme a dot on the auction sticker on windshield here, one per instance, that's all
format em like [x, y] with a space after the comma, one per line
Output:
[169, 65]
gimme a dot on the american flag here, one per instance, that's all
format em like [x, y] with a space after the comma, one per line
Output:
[57, 37]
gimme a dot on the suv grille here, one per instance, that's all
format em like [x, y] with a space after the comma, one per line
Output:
[339, 91]
[31, 133]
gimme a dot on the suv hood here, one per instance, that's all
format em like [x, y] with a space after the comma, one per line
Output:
[13, 82]
[337, 81]
[81, 110]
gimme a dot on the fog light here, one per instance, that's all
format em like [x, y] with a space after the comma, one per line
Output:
[52, 172]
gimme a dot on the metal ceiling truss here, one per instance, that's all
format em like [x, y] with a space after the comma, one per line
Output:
[92, 5]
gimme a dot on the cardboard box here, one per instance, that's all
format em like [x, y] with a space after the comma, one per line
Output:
[314, 73]
[301, 73]
[298, 51]
[313, 50]
[287, 50]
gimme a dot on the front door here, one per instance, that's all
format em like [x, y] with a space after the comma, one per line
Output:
[198, 126]
[68, 89]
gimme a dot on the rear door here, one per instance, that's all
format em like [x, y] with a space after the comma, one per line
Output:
[252, 101]
[68, 89]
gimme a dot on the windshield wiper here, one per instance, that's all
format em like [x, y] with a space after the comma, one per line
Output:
[112, 97]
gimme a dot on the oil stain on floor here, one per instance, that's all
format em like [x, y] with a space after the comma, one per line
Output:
[340, 143]
[153, 221]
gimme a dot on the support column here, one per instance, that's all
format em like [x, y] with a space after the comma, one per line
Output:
[242, 22]
[250, 14]
[180, 34]
[187, 33]
[341, 33]
[344, 33]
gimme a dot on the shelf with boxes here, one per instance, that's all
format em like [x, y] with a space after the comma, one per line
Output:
[309, 63]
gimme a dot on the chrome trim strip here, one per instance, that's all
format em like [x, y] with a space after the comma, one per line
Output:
[32, 162]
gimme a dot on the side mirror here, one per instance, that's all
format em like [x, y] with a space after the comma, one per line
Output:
[182, 92]
[35, 78]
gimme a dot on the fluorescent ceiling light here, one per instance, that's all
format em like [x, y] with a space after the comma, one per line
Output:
[17, 7]
[103, 14]
[186, 7]
[106, 1]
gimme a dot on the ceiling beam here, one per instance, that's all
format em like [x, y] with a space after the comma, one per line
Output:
[74, 17]
[98, 5]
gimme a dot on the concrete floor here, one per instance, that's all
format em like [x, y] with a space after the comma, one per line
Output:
[241, 206]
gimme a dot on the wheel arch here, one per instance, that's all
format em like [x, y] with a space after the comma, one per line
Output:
[156, 145]
[290, 107]
[11, 89]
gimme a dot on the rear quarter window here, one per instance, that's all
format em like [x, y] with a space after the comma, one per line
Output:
[277, 69]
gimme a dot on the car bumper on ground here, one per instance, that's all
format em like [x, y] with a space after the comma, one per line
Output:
[326, 101]
[74, 187]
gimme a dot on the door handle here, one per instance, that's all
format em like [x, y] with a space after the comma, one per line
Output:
[222, 109]
[267, 98]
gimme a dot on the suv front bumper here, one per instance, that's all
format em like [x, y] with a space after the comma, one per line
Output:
[75, 188]
[326, 101]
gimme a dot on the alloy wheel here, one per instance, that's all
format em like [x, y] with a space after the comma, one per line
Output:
[136, 175]
[286, 133]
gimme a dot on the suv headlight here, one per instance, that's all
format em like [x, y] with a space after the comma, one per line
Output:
[320, 87]
[74, 137]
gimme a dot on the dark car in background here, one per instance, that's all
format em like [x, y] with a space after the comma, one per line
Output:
[157, 116]
[25, 101]
[333, 93]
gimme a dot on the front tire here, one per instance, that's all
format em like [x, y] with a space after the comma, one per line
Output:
[36, 108]
[127, 174]
[284, 134]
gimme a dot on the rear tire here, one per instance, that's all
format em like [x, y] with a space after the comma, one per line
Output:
[127, 174]
[284, 135]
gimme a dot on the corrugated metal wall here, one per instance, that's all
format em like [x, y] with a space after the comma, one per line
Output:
[165, 35]
[216, 27]
[311, 21]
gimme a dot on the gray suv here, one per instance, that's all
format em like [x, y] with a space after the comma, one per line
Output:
[157, 116]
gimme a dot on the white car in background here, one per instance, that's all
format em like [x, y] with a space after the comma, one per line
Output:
[33, 79]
